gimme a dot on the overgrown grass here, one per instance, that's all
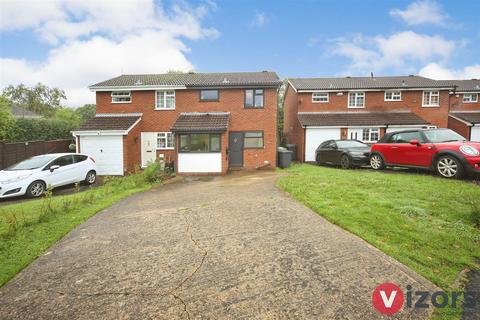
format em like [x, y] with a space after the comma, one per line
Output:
[28, 229]
[428, 223]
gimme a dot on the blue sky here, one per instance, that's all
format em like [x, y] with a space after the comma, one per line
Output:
[72, 44]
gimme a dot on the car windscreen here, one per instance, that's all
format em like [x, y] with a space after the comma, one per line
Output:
[443, 135]
[351, 144]
[32, 163]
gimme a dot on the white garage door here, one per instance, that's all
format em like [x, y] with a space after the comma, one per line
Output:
[475, 134]
[313, 138]
[107, 152]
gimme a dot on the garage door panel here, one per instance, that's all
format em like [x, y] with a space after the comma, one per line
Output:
[107, 152]
[475, 134]
[315, 136]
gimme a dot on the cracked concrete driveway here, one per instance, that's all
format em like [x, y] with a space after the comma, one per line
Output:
[231, 247]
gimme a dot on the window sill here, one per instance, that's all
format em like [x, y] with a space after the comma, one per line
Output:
[217, 100]
[253, 148]
[165, 149]
[120, 102]
[357, 107]
[470, 101]
[254, 108]
[319, 101]
[163, 109]
[431, 106]
[392, 100]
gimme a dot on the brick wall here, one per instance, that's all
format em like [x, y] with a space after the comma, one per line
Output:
[230, 100]
[457, 104]
[293, 131]
[459, 127]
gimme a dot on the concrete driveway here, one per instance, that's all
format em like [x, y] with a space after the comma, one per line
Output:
[231, 247]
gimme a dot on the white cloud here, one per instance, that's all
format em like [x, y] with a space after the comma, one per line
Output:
[438, 72]
[95, 40]
[422, 12]
[259, 20]
[400, 52]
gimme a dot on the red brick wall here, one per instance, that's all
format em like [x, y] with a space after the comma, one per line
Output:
[292, 129]
[457, 104]
[374, 101]
[230, 100]
[132, 150]
[459, 127]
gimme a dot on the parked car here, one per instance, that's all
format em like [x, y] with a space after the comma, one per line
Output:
[441, 150]
[33, 175]
[345, 153]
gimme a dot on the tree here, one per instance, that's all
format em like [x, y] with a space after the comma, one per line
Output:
[40, 99]
[86, 112]
[7, 123]
[69, 116]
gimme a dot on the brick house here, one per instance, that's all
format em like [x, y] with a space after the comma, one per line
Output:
[363, 108]
[464, 115]
[202, 122]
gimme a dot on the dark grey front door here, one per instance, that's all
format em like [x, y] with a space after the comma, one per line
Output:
[235, 149]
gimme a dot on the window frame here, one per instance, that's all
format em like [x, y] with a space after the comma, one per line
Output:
[321, 93]
[370, 131]
[165, 133]
[470, 100]
[356, 105]
[164, 108]
[430, 92]
[393, 92]
[125, 96]
[210, 134]
[208, 100]
[254, 95]
[254, 131]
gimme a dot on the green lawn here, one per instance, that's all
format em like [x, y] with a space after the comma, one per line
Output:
[28, 229]
[423, 221]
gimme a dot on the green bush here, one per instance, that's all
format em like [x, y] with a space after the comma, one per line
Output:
[153, 172]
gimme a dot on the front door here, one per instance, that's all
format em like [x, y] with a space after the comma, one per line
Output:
[235, 149]
[149, 148]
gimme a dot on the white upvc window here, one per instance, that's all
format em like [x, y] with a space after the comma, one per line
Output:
[121, 97]
[470, 97]
[319, 97]
[431, 99]
[393, 96]
[356, 99]
[371, 134]
[165, 100]
[164, 140]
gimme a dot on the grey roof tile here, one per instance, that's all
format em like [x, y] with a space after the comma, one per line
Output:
[201, 122]
[472, 85]
[471, 117]
[103, 122]
[359, 118]
[230, 79]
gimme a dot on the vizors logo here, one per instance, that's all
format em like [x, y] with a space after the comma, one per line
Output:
[387, 298]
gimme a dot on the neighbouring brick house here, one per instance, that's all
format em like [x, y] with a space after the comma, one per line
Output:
[202, 122]
[363, 108]
[464, 116]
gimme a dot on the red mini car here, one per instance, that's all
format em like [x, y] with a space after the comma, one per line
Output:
[441, 150]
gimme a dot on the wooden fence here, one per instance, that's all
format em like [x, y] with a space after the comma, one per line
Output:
[11, 153]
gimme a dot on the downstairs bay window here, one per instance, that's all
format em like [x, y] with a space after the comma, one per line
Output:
[200, 142]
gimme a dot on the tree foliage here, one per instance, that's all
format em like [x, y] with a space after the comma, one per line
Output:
[86, 112]
[40, 99]
[7, 123]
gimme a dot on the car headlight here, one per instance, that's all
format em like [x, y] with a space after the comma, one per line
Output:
[469, 151]
[19, 178]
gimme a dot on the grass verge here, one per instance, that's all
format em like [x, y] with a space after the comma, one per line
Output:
[28, 229]
[425, 222]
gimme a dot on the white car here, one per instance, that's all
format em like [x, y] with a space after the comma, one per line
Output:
[34, 175]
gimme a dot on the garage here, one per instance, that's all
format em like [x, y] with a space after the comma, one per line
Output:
[107, 151]
[475, 133]
[315, 136]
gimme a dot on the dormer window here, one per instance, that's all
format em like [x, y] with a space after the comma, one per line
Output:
[121, 97]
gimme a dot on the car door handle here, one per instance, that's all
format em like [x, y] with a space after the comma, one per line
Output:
[394, 147]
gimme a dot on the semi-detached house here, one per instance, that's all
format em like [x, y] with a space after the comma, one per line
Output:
[203, 123]
[365, 108]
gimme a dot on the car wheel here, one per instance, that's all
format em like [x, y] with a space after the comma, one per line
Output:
[345, 162]
[449, 167]
[376, 162]
[317, 160]
[36, 189]
[91, 177]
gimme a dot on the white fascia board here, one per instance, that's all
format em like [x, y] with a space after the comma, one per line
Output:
[136, 88]
[374, 90]
[133, 125]
[295, 89]
[100, 133]
[339, 127]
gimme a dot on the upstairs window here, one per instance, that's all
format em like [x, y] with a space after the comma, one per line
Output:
[165, 100]
[164, 140]
[470, 97]
[393, 95]
[320, 97]
[356, 99]
[431, 99]
[208, 95]
[121, 97]
[254, 98]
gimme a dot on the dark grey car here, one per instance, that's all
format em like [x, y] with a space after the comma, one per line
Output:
[345, 153]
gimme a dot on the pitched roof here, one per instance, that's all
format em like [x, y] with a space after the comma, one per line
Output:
[472, 85]
[201, 122]
[103, 122]
[359, 118]
[352, 83]
[470, 117]
[231, 79]
[19, 112]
